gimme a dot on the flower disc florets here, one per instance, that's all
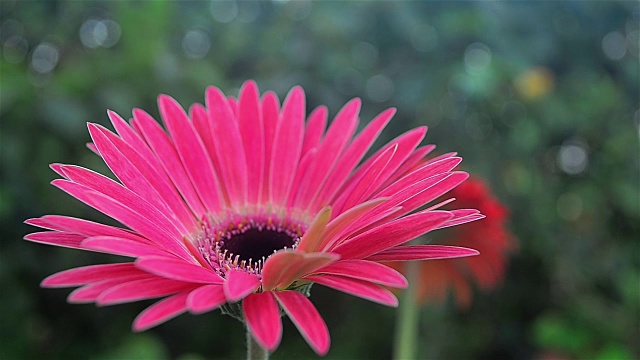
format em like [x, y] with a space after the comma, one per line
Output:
[245, 242]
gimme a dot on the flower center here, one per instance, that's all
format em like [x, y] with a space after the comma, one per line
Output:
[246, 244]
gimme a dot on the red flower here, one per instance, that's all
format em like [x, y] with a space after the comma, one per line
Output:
[489, 236]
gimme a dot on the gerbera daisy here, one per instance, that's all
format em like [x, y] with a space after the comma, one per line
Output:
[243, 202]
[490, 236]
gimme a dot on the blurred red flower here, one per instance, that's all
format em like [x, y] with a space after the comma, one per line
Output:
[489, 236]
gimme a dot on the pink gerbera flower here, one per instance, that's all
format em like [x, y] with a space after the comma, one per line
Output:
[242, 202]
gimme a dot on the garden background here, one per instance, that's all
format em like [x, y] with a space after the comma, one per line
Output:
[539, 98]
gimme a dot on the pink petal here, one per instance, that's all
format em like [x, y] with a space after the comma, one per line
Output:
[460, 219]
[440, 157]
[422, 252]
[229, 148]
[192, 152]
[263, 319]
[161, 311]
[142, 289]
[81, 226]
[271, 118]
[307, 319]
[302, 173]
[391, 234]
[233, 105]
[311, 240]
[314, 130]
[178, 269]
[132, 138]
[88, 274]
[367, 271]
[454, 179]
[141, 223]
[359, 288]
[412, 161]
[335, 140]
[406, 144]
[169, 159]
[287, 146]
[366, 183]
[420, 174]
[277, 266]
[105, 188]
[239, 284]
[206, 298]
[90, 292]
[62, 239]
[350, 158]
[137, 174]
[367, 222]
[345, 219]
[391, 208]
[121, 165]
[252, 130]
[120, 246]
[284, 267]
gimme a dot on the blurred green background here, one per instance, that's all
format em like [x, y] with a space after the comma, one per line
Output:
[541, 99]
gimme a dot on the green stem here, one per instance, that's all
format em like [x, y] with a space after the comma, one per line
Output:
[407, 322]
[254, 350]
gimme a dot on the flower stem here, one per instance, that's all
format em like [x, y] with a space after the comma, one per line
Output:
[407, 322]
[254, 350]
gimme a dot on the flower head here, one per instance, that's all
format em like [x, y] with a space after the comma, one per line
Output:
[242, 200]
[490, 237]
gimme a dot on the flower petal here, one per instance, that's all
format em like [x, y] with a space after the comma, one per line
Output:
[206, 298]
[88, 274]
[125, 247]
[339, 133]
[161, 311]
[367, 271]
[142, 289]
[177, 269]
[90, 292]
[81, 226]
[420, 174]
[252, 131]
[192, 152]
[284, 267]
[391, 234]
[263, 319]
[350, 158]
[138, 175]
[412, 161]
[422, 252]
[316, 124]
[229, 148]
[62, 239]
[366, 182]
[359, 288]
[278, 265]
[311, 239]
[239, 284]
[169, 159]
[307, 319]
[271, 119]
[287, 146]
[340, 223]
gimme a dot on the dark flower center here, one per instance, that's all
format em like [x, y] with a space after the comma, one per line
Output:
[246, 244]
[254, 244]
